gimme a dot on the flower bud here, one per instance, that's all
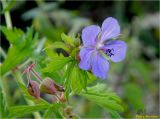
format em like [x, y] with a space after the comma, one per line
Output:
[49, 86]
[33, 89]
[78, 57]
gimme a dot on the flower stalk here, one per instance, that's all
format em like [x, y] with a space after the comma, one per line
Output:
[7, 15]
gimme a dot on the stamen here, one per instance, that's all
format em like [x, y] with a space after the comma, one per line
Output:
[109, 52]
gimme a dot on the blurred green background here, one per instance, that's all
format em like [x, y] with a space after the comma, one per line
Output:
[135, 80]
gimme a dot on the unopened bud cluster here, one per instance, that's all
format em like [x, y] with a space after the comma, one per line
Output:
[46, 85]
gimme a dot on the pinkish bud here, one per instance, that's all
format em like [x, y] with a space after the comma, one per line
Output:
[49, 86]
[33, 89]
[78, 57]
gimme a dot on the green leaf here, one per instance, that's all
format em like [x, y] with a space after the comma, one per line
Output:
[57, 63]
[75, 80]
[61, 45]
[54, 75]
[67, 39]
[8, 6]
[114, 115]
[106, 99]
[3, 107]
[13, 36]
[48, 113]
[74, 52]
[78, 79]
[22, 47]
[50, 52]
[17, 111]
[67, 83]
[91, 78]
[53, 110]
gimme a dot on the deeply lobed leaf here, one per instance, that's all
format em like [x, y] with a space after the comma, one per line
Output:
[22, 46]
[108, 99]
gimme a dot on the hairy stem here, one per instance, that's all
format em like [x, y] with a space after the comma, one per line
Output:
[36, 74]
[7, 15]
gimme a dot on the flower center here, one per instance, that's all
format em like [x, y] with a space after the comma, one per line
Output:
[99, 45]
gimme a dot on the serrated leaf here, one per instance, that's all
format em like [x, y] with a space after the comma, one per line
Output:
[67, 83]
[67, 39]
[99, 88]
[78, 79]
[17, 111]
[13, 36]
[50, 52]
[91, 78]
[75, 80]
[107, 100]
[61, 45]
[22, 47]
[57, 63]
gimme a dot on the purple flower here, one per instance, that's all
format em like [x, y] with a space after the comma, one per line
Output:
[97, 46]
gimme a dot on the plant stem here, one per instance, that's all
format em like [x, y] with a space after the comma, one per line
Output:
[3, 87]
[36, 74]
[7, 15]
[17, 74]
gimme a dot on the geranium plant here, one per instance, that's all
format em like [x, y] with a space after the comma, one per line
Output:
[66, 68]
